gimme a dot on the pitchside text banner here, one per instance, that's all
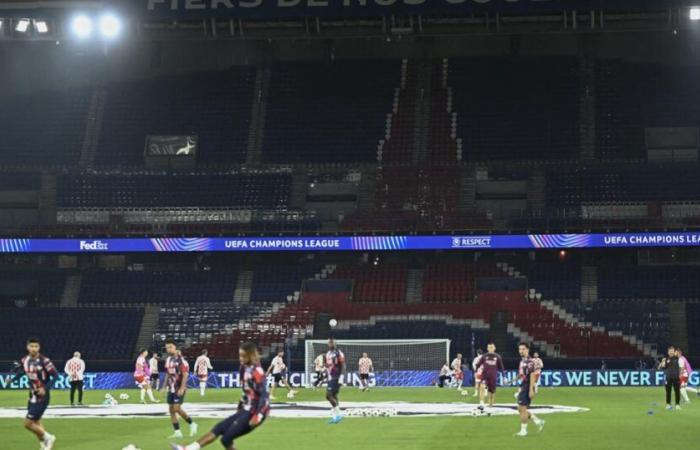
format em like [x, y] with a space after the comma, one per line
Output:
[410, 378]
[349, 243]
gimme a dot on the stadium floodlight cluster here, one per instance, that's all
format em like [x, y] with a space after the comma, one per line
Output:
[108, 26]
[82, 26]
[26, 25]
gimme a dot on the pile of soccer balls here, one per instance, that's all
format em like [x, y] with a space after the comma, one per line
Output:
[371, 412]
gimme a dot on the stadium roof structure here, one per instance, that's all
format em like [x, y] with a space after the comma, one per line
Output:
[226, 19]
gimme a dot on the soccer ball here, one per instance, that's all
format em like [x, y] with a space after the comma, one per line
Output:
[124, 396]
[475, 412]
[290, 395]
[130, 447]
[333, 323]
[465, 393]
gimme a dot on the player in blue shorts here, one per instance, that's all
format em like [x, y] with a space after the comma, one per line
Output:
[528, 379]
[177, 373]
[41, 374]
[253, 408]
[335, 365]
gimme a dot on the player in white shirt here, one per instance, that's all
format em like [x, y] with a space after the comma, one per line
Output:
[365, 365]
[456, 367]
[75, 369]
[539, 365]
[477, 372]
[142, 376]
[155, 376]
[202, 366]
[278, 370]
[320, 369]
[445, 375]
[686, 371]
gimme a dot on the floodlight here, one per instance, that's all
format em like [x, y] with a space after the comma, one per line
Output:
[41, 26]
[110, 26]
[81, 26]
[22, 25]
[695, 13]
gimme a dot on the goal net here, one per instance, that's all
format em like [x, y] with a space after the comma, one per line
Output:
[399, 362]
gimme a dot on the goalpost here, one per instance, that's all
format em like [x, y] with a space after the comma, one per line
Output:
[388, 355]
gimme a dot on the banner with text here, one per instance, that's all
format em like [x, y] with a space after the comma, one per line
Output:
[282, 9]
[408, 378]
[361, 243]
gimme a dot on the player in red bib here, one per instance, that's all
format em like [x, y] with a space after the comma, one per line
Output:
[41, 374]
[491, 363]
[253, 408]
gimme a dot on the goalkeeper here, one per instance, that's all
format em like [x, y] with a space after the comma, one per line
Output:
[320, 369]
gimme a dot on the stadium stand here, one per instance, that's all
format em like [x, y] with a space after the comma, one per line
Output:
[385, 284]
[215, 106]
[264, 191]
[558, 280]
[444, 146]
[96, 332]
[132, 288]
[396, 145]
[61, 117]
[654, 283]
[416, 198]
[647, 321]
[566, 188]
[355, 114]
[453, 282]
[693, 318]
[271, 326]
[38, 287]
[22, 181]
[382, 293]
[510, 108]
[328, 112]
[275, 284]
[193, 323]
[634, 95]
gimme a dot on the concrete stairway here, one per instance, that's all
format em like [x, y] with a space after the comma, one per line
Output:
[244, 285]
[148, 327]
[93, 127]
[71, 291]
[414, 286]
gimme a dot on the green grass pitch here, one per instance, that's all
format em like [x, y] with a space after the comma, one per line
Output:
[618, 419]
